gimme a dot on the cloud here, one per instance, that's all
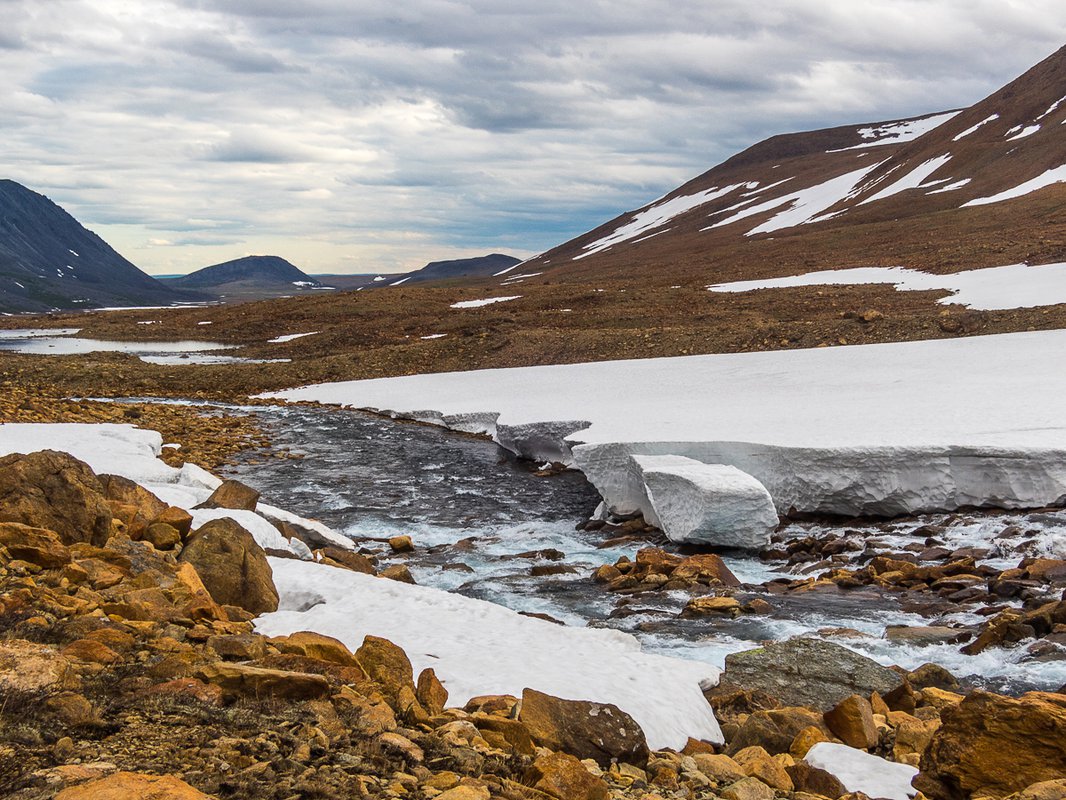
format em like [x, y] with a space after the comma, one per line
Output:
[386, 135]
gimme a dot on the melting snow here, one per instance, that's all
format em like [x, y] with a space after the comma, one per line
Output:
[992, 288]
[288, 337]
[400, 281]
[974, 128]
[484, 302]
[912, 180]
[1052, 108]
[1056, 175]
[804, 205]
[658, 215]
[951, 187]
[899, 132]
[1028, 130]
[861, 772]
[434, 336]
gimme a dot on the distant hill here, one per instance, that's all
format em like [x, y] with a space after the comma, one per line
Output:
[479, 267]
[980, 187]
[251, 277]
[48, 260]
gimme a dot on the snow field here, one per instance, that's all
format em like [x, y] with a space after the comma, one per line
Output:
[478, 648]
[991, 288]
[861, 772]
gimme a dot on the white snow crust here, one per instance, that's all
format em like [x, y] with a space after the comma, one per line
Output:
[476, 647]
[861, 772]
[713, 504]
[1055, 175]
[912, 180]
[881, 429]
[658, 215]
[991, 288]
[131, 452]
[288, 337]
[803, 205]
[1021, 132]
[975, 128]
[487, 301]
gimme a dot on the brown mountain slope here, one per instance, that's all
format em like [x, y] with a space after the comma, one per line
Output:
[906, 192]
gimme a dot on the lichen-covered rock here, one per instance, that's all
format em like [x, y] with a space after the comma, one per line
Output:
[38, 546]
[132, 503]
[852, 721]
[232, 494]
[243, 679]
[52, 490]
[232, 566]
[600, 731]
[389, 667]
[564, 777]
[995, 745]
[809, 672]
[133, 786]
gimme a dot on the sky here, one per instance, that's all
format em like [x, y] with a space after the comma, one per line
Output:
[354, 136]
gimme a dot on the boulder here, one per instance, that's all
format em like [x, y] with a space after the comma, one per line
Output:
[1045, 790]
[232, 494]
[719, 768]
[316, 645]
[161, 536]
[258, 682]
[852, 721]
[30, 668]
[431, 692]
[705, 568]
[715, 504]
[131, 503]
[776, 730]
[336, 557]
[177, 518]
[748, 789]
[808, 672]
[232, 566]
[600, 731]
[757, 763]
[133, 786]
[995, 745]
[712, 607]
[56, 491]
[564, 777]
[806, 778]
[36, 545]
[387, 665]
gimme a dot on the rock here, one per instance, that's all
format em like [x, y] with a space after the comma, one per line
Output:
[806, 778]
[26, 667]
[232, 566]
[388, 666]
[852, 721]
[238, 647]
[706, 568]
[747, 789]
[940, 699]
[401, 544]
[392, 742]
[36, 545]
[913, 735]
[431, 692]
[162, 536]
[505, 734]
[132, 503]
[925, 635]
[757, 763]
[712, 606]
[996, 745]
[564, 777]
[600, 731]
[1045, 790]
[464, 792]
[775, 730]
[242, 679]
[133, 786]
[805, 740]
[71, 709]
[702, 503]
[206, 693]
[719, 768]
[932, 675]
[177, 518]
[398, 572]
[337, 557]
[56, 491]
[89, 651]
[316, 645]
[232, 494]
[809, 672]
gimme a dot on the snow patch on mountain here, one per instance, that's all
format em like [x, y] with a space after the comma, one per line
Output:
[988, 289]
[975, 128]
[899, 132]
[1051, 176]
[915, 179]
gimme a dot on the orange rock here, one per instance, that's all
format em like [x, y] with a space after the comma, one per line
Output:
[852, 721]
[564, 777]
[133, 786]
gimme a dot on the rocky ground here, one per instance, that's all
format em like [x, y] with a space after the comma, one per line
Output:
[130, 667]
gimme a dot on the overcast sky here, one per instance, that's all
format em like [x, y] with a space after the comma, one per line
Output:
[377, 135]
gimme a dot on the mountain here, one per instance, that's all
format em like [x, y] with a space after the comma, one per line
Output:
[49, 261]
[251, 277]
[480, 267]
[977, 187]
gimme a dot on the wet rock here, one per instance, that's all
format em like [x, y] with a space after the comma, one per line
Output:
[706, 568]
[232, 566]
[564, 777]
[996, 745]
[809, 672]
[398, 572]
[712, 606]
[133, 786]
[925, 635]
[232, 494]
[599, 731]
[401, 544]
[56, 491]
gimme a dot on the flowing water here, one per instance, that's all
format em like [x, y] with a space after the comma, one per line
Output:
[481, 521]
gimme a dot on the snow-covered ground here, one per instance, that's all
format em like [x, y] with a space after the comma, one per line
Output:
[482, 648]
[875, 429]
[486, 301]
[899, 132]
[1056, 175]
[476, 647]
[288, 337]
[991, 288]
[861, 772]
[58, 343]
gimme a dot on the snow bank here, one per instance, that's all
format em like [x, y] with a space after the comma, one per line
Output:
[881, 429]
[477, 647]
[991, 288]
[118, 449]
[705, 503]
[861, 772]
[1056, 175]
[975, 128]
[288, 337]
[487, 301]
[912, 180]
[899, 132]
